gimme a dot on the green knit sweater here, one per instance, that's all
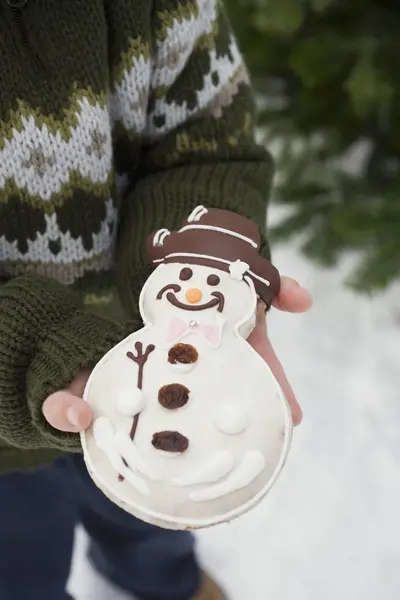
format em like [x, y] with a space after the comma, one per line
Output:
[117, 117]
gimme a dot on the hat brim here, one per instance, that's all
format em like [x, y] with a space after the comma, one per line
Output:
[219, 251]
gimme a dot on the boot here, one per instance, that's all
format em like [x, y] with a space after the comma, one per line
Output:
[209, 590]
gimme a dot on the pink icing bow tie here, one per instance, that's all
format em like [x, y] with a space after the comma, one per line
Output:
[179, 329]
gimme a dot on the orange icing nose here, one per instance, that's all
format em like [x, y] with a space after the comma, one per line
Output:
[194, 295]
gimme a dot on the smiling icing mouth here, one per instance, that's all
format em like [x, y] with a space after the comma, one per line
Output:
[218, 299]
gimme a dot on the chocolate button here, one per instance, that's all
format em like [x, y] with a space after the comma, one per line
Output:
[173, 395]
[183, 353]
[170, 441]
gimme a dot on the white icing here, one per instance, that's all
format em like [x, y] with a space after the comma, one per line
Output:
[214, 258]
[201, 256]
[217, 259]
[237, 269]
[220, 230]
[197, 213]
[231, 419]
[135, 481]
[267, 283]
[103, 433]
[166, 454]
[182, 367]
[128, 450]
[246, 329]
[214, 469]
[249, 468]
[163, 236]
[130, 402]
[160, 236]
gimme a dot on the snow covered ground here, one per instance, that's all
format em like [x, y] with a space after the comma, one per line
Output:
[330, 528]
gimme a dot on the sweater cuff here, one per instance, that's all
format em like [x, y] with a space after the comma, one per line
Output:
[45, 341]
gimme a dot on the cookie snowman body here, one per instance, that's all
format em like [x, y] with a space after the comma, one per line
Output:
[191, 428]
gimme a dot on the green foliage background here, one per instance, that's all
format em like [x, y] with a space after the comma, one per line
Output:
[329, 72]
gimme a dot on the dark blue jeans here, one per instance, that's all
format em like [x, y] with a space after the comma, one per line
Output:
[38, 514]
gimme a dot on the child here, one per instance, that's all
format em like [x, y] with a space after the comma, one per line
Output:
[116, 117]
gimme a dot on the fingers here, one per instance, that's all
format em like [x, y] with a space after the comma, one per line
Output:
[261, 321]
[280, 376]
[297, 413]
[262, 344]
[67, 412]
[295, 299]
[292, 297]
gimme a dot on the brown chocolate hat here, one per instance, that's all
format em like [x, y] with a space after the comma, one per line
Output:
[223, 240]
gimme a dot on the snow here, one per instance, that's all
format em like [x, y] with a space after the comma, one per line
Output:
[329, 529]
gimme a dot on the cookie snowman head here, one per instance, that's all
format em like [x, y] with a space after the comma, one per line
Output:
[209, 271]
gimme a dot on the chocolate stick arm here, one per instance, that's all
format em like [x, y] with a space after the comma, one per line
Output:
[140, 358]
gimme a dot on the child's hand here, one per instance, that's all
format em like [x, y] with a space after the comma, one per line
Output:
[66, 410]
[292, 298]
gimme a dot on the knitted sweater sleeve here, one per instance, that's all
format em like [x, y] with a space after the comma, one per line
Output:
[45, 341]
[198, 145]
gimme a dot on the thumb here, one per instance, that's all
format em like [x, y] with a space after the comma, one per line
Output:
[66, 412]
[292, 297]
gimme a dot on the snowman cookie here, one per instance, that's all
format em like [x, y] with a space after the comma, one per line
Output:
[190, 426]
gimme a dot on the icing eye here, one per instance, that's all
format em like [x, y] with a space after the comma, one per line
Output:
[213, 280]
[185, 274]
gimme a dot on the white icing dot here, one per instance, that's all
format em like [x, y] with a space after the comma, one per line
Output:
[231, 420]
[130, 402]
